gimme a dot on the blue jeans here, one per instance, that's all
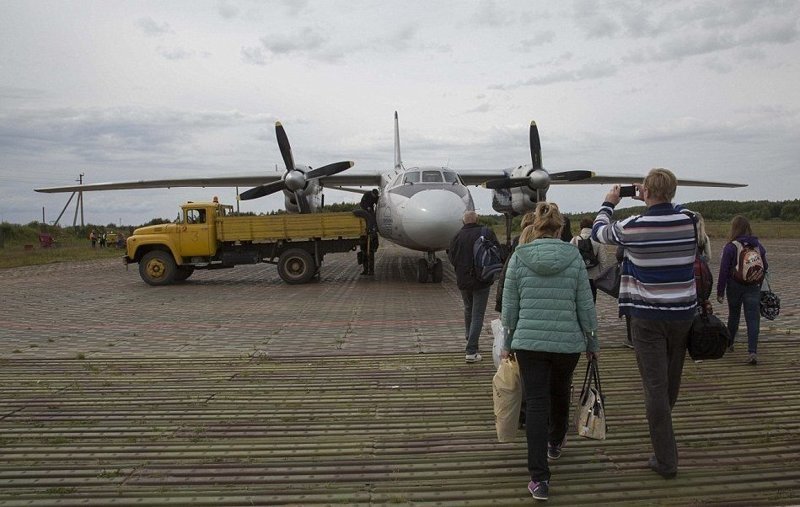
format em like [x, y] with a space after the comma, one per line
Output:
[474, 308]
[546, 377]
[748, 296]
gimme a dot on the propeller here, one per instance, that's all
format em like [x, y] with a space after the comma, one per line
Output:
[538, 178]
[294, 179]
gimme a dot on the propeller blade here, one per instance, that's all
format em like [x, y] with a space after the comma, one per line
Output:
[506, 183]
[262, 190]
[283, 144]
[536, 147]
[571, 175]
[328, 170]
[302, 202]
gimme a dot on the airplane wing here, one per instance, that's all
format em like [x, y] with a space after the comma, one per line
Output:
[629, 179]
[481, 177]
[223, 181]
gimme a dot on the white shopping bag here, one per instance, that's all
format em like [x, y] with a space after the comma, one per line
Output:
[507, 397]
[499, 333]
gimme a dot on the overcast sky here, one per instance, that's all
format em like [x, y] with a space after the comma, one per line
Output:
[136, 89]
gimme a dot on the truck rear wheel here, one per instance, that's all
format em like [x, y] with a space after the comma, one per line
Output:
[296, 266]
[157, 268]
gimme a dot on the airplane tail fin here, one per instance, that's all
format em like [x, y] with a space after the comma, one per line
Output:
[398, 161]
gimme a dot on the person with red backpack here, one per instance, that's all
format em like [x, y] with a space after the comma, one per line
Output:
[741, 271]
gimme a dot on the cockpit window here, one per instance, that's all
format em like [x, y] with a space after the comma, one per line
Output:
[431, 177]
[411, 178]
[450, 177]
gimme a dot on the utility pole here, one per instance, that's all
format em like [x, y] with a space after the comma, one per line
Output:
[79, 203]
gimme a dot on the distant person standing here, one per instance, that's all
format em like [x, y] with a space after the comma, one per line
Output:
[474, 293]
[93, 238]
[741, 293]
[599, 252]
[657, 291]
[369, 200]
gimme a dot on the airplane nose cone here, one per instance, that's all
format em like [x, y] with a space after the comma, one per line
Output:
[432, 217]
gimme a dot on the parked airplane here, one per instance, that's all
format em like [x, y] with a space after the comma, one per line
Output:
[420, 207]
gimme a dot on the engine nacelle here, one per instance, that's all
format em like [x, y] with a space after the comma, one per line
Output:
[312, 193]
[520, 200]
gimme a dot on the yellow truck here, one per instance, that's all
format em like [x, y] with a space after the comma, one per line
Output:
[209, 236]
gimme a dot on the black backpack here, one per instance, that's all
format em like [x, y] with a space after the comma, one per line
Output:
[586, 248]
[487, 258]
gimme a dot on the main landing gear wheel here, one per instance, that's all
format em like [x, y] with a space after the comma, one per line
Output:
[157, 268]
[296, 266]
[422, 271]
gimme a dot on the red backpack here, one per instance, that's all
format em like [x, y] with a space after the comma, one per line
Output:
[748, 268]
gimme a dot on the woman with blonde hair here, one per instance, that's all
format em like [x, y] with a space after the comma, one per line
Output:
[550, 316]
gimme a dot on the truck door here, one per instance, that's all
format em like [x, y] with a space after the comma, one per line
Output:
[195, 233]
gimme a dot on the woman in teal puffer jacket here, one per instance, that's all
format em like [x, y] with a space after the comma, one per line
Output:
[550, 314]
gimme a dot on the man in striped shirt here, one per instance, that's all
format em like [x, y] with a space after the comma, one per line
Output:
[657, 292]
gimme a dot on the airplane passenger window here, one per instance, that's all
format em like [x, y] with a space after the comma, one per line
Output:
[411, 178]
[450, 177]
[431, 177]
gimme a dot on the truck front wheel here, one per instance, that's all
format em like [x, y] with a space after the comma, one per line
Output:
[296, 266]
[157, 268]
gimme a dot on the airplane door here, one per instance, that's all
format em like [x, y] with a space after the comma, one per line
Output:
[195, 233]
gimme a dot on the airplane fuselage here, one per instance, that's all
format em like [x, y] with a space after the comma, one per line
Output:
[421, 208]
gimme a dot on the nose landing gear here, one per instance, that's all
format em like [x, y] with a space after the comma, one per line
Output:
[429, 267]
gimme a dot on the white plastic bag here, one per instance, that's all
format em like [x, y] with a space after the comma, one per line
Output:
[499, 333]
[507, 397]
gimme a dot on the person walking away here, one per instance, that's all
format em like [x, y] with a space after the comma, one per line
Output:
[566, 230]
[657, 291]
[703, 241]
[474, 292]
[550, 317]
[740, 293]
[600, 253]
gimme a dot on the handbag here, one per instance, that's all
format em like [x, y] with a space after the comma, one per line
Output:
[608, 280]
[507, 398]
[708, 336]
[770, 303]
[590, 415]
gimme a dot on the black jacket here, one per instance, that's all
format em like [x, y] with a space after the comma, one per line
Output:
[460, 255]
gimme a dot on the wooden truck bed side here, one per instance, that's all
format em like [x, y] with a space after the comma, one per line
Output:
[292, 227]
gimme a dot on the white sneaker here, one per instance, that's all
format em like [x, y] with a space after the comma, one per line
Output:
[473, 358]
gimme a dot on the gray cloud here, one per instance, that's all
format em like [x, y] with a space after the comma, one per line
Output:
[594, 19]
[481, 108]
[175, 53]
[306, 41]
[589, 71]
[491, 14]
[540, 38]
[227, 10]
[253, 55]
[153, 29]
